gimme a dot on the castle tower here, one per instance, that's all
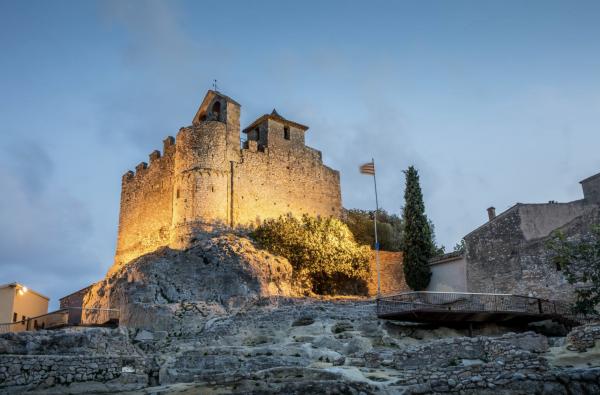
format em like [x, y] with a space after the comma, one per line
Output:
[205, 155]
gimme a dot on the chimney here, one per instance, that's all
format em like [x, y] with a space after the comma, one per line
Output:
[491, 213]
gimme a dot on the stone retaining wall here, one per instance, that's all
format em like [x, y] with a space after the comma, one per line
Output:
[583, 337]
[449, 352]
[25, 372]
[392, 276]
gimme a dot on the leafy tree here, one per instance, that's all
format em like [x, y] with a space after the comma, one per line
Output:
[417, 234]
[435, 249]
[389, 228]
[579, 260]
[323, 252]
[461, 246]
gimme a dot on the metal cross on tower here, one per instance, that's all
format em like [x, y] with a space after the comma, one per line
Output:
[215, 85]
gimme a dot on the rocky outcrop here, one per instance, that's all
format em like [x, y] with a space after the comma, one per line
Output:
[217, 273]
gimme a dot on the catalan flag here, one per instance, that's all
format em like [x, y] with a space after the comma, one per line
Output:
[368, 168]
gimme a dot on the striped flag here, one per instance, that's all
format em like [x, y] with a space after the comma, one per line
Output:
[368, 168]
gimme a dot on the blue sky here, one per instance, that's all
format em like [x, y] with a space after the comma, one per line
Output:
[493, 102]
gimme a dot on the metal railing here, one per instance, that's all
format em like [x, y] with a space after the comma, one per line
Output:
[465, 302]
[70, 316]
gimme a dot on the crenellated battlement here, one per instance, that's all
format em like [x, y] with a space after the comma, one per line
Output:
[203, 178]
[155, 159]
[128, 176]
[154, 155]
[141, 167]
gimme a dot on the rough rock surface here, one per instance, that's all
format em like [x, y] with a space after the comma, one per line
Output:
[294, 346]
[219, 272]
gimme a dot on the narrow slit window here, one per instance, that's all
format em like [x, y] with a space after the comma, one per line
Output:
[286, 132]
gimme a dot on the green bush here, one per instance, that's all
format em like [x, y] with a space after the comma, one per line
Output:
[322, 252]
[579, 260]
[389, 228]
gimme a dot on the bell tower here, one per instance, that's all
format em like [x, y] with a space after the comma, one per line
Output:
[218, 107]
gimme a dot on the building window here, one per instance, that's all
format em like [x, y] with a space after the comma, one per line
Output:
[257, 130]
[286, 132]
[558, 268]
[216, 109]
[15, 317]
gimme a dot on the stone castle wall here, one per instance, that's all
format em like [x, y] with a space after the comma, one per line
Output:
[146, 205]
[280, 180]
[204, 180]
[201, 180]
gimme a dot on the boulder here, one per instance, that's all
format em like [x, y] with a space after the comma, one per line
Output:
[230, 274]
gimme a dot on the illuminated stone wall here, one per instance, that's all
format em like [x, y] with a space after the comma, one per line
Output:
[204, 180]
[392, 276]
[284, 177]
[201, 180]
[146, 205]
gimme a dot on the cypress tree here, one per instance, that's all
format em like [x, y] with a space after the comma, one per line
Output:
[417, 234]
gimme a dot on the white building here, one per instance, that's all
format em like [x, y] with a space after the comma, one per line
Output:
[18, 304]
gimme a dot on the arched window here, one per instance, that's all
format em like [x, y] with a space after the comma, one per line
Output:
[216, 108]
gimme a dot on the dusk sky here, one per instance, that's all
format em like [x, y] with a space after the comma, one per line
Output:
[494, 103]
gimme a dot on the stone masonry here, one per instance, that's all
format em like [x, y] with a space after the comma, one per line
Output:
[509, 253]
[204, 180]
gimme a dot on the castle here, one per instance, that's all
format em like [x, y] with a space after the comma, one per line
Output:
[205, 179]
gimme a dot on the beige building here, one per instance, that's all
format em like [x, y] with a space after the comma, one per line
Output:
[18, 304]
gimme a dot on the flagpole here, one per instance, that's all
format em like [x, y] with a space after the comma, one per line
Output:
[376, 240]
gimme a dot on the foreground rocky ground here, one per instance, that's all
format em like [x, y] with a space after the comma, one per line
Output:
[225, 317]
[294, 346]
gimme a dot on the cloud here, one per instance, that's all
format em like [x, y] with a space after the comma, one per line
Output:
[31, 161]
[162, 67]
[44, 228]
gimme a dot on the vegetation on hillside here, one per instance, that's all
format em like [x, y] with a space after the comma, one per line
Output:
[322, 251]
[417, 236]
[579, 261]
[389, 228]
